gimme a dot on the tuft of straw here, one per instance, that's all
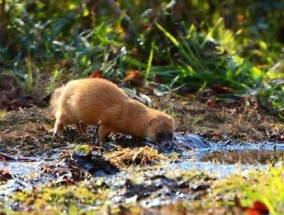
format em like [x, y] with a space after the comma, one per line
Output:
[124, 157]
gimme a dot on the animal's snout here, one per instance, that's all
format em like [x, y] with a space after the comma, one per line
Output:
[168, 145]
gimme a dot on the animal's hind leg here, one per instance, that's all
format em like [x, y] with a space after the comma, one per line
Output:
[103, 133]
[81, 128]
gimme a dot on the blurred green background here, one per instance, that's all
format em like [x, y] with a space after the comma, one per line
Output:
[235, 46]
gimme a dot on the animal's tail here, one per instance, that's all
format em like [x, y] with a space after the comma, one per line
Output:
[55, 99]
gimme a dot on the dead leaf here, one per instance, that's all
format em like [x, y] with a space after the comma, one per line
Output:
[212, 103]
[5, 175]
[258, 207]
[96, 74]
[135, 78]
[221, 89]
[158, 79]
[241, 17]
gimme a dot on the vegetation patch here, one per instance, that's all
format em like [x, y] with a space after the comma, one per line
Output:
[215, 66]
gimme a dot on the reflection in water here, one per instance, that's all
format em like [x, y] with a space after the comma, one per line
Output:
[218, 169]
[244, 156]
[229, 152]
[223, 159]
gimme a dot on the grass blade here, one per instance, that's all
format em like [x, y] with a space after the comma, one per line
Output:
[150, 60]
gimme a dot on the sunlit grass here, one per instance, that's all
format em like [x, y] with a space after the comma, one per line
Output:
[54, 199]
[266, 186]
[67, 38]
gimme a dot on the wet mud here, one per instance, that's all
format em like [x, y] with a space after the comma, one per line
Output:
[156, 183]
[130, 171]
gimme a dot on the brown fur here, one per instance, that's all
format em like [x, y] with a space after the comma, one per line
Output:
[54, 99]
[90, 101]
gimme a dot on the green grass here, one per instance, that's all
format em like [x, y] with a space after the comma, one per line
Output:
[263, 185]
[69, 40]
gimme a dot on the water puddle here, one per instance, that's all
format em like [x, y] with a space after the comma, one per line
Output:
[221, 159]
[22, 169]
[224, 159]
[253, 157]
[149, 185]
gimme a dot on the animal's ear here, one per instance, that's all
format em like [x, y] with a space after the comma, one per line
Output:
[171, 120]
[153, 121]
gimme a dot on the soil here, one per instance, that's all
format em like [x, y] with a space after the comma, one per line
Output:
[131, 170]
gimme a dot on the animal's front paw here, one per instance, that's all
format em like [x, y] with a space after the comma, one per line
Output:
[51, 131]
[56, 133]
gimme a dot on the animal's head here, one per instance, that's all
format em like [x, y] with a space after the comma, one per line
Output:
[161, 130]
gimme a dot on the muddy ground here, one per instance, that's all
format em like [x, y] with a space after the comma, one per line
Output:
[42, 172]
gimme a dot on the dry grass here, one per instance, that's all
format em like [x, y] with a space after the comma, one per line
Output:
[124, 157]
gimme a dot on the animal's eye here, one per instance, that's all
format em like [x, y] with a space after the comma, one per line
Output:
[170, 135]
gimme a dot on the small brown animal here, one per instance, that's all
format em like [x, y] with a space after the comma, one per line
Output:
[91, 101]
